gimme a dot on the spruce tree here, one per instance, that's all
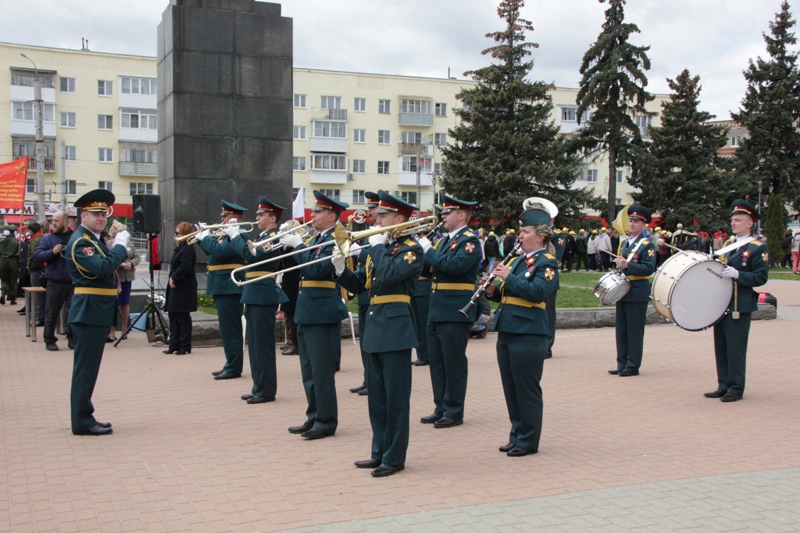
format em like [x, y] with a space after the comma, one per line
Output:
[506, 147]
[770, 111]
[681, 176]
[775, 229]
[613, 90]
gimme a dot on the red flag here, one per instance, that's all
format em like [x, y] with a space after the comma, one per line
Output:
[13, 177]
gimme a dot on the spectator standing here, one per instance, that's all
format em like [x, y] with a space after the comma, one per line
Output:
[491, 249]
[126, 274]
[787, 249]
[36, 270]
[181, 298]
[9, 265]
[508, 242]
[51, 252]
[591, 250]
[571, 252]
[581, 247]
[796, 253]
[602, 245]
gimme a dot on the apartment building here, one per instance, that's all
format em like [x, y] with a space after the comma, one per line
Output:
[352, 131]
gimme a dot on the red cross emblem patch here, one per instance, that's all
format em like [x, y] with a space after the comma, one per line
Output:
[765, 257]
[651, 253]
[469, 247]
[454, 245]
[549, 274]
[410, 257]
[88, 251]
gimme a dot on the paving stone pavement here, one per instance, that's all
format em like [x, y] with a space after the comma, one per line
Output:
[648, 453]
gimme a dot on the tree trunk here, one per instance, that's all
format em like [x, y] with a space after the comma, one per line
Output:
[612, 184]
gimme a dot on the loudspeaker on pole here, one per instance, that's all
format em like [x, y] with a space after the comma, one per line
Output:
[147, 213]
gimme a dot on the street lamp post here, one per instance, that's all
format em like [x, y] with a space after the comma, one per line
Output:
[39, 143]
[759, 207]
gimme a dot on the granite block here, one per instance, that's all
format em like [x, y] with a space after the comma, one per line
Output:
[263, 118]
[264, 77]
[260, 35]
[203, 114]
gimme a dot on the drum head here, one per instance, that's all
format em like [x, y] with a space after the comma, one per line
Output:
[611, 288]
[701, 295]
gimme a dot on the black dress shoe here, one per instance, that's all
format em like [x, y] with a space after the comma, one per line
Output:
[181, 352]
[314, 434]
[227, 375]
[96, 430]
[508, 447]
[358, 389]
[626, 373]
[369, 463]
[169, 352]
[260, 399]
[730, 397]
[363, 392]
[301, 429]
[387, 470]
[70, 344]
[247, 396]
[420, 362]
[548, 356]
[430, 419]
[445, 422]
[516, 451]
[40, 324]
[215, 372]
[716, 394]
[613, 372]
[104, 424]
[51, 347]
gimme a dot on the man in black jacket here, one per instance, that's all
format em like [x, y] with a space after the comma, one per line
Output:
[51, 252]
[491, 249]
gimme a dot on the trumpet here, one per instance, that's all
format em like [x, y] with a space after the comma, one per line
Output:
[267, 244]
[342, 239]
[215, 230]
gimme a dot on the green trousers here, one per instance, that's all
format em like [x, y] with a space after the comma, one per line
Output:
[261, 348]
[389, 385]
[730, 349]
[89, 344]
[317, 344]
[447, 354]
[229, 311]
[631, 318]
[521, 361]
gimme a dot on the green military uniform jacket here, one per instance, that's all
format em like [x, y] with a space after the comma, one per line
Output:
[640, 267]
[319, 301]
[265, 291]
[93, 268]
[453, 269]
[523, 295]
[390, 274]
[559, 241]
[363, 296]
[9, 247]
[222, 258]
[752, 262]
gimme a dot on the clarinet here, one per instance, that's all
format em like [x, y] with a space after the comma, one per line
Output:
[432, 233]
[486, 282]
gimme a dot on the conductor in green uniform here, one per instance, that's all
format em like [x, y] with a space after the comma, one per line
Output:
[390, 275]
[637, 261]
[748, 266]
[92, 268]
[222, 258]
[261, 299]
[318, 314]
[453, 267]
[521, 323]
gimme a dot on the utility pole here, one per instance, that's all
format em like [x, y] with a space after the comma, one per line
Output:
[39, 143]
[63, 181]
[419, 170]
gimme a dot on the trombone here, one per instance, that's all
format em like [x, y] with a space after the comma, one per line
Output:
[267, 244]
[342, 239]
[215, 230]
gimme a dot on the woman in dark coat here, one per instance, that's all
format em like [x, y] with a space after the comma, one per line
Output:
[181, 294]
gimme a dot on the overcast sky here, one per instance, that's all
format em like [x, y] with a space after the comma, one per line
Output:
[712, 38]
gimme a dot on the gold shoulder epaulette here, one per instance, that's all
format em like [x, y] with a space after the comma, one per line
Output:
[556, 231]
[730, 240]
[645, 242]
[757, 243]
[549, 256]
[409, 242]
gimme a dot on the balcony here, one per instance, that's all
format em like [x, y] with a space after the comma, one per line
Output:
[336, 145]
[27, 128]
[328, 177]
[138, 135]
[409, 179]
[129, 168]
[49, 163]
[329, 114]
[138, 101]
[411, 149]
[416, 119]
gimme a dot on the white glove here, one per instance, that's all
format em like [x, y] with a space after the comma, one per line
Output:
[377, 240]
[121, 238]
[232, 221]
[202, 235]
[425, 243]
[284, 227]
[290, 241]
[730, 272]
[355, 250]
[338, 260]
[231, 231]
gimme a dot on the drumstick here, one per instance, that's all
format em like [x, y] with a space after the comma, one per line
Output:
[613, 255]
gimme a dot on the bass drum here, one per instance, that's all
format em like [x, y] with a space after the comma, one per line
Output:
[689, 290]
[612, 287]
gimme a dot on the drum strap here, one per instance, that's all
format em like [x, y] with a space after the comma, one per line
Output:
[735, 246]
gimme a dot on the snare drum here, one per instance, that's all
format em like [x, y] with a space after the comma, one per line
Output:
[612, 287]
[690, 291]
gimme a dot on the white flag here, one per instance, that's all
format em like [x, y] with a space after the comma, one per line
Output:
[298, 206]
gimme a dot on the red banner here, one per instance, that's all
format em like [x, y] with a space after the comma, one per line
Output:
[12, 183]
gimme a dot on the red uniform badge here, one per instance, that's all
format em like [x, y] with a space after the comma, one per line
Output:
[469, 247]
[765, 257]
[395, 250]
[88, 251]
[651, 253]
[454, 245]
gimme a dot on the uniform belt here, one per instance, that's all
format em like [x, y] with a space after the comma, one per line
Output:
[453, 286]
[635, 278]
[390, 299]
[257, 274]
[96, 292]
[421, 278]
[318, 284]
[522, 302]
[230, 266]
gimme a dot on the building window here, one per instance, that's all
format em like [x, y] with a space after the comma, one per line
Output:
[139, 86]
[620, 174]
[328, 128]
[105, 155]
[736, 141]
[330, 193]
[618, 201]
[438, 169]
[358, 196]
[67, 85]
[30, 185]
[107, 185]
[568, 114]
[383, 167]
[141, 188]
[415, 106]
[359, 136]
[383, 136]
[331, 102]
[586, 116]
[360, 105]
[300, 101]
[25, 111]
[591, 175]
[299, 133]
[441, 109]
[67, 120]
[129, 155]
[105, 88]
[70, 153]
[328, 162]
[409, 196]
[139, 119]
[105, 122]
[643, 121]
[410, 164]
[411, 137]
[359, 166]
[384, 106]
[72, 187]
[298, 163]
[440, 139]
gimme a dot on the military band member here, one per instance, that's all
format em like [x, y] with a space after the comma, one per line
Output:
[453, 266]
[222, 258]
[748, 266]
[637, 261]
[92, 268]
[319, 312]
[261, 299]
[521, 323]
[420, 305]
[390, 275]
